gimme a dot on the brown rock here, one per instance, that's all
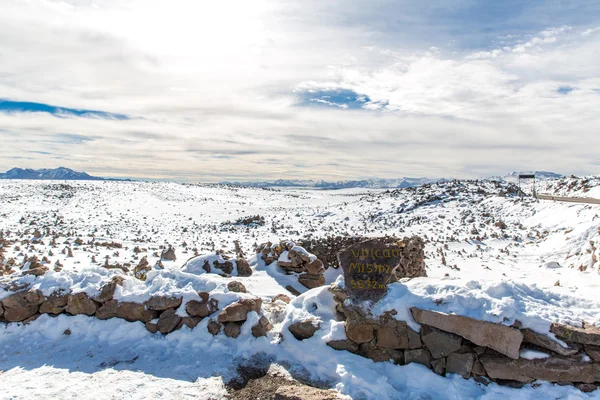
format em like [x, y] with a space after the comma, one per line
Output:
[501, 338]
[191, 322]
[315, 267]
[168, 254]
[80, 303]
[168, 321]
[131, 311]
[233, 329]
[360, 333]
[303, 392]
[243, 267]
[161, 303]
[106, 293]
[55, 304]
[586, 387]
[262, 327]
[394, 335]
[312, 281]
[346, 344]
[414, 339]
[439, 366]
[152, 327]
[282, 297]
[439, 343]
[1, 310]
[304, 330]
[460, 363]
[593, 352]
[293, 291]
[214, 327]
[478, 368]
[419, 356]
[530, 336]
[238, 311]
[22, 305]
[236, 286]
[368, 350]
[202, 308]
[588, 335]
[108, 310]
[552, 369]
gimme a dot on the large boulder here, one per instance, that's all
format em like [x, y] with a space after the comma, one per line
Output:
[238, 311]
[22, 305]
[585, 335]
[360, 333]
[168, 321]
[502, 338]
[108, 310]
[393, 335]
[131, 311]
[161, 303]
[81, 304]
[552, 369]
[532, 337]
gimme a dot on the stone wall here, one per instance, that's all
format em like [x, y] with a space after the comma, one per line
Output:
[486, 351]
[158, 313]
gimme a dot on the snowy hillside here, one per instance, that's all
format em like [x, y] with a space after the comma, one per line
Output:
[489, 254]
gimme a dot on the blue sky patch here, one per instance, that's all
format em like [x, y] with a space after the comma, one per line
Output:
[341, 98]
[565, 89]
[9, 106]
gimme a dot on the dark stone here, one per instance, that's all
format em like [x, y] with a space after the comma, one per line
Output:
[293, 291]
[106, 293]
[131, 312]
[233, 329]
[243, 267]
[191, 322]
[393, 335]
[532, 337]
[108, 310]
[22, 305]
[55, 304]
[236, 287]
[168, 321]
[460, 363]
[311, 281]
[214, 327]
[161, 303]
[414, 339]
[202, 308]
[439, 366]
[303, 330]
[587, 335]
[346, 344]
[439, 343]
[360, 333]
[238, 311]
[262, 327]
[368, 350]
[419, 356]
[152, 327]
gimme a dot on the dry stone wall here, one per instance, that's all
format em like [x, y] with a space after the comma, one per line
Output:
[486, 351]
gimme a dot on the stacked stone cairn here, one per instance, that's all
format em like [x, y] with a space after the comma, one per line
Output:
[295, 259]
[159, 313]
[486, 351]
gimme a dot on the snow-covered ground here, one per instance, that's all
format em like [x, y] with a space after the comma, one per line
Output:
[490, 255]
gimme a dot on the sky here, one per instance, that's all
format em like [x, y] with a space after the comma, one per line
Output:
[210, 91]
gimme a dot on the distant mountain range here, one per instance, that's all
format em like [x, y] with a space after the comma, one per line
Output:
[60, 174]
[375, 183]
[541, 175]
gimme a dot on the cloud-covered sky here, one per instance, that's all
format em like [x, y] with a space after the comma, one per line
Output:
[250, 90]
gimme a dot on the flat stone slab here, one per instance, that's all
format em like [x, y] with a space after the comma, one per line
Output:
[544, 341]
[503, 339]
[587, 335]
[552, 369]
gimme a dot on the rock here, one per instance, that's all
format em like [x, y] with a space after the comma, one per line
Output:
[295, 392]
[55, 304]
[586, 387]
[243, 267]
[202, 308]
[311, 281]
[168, 321]
[152, 327]
[214, 327]
[161, 303]
[262, 327]
[236, 286]
[168, 254]
[304, 330]
[439, 366]
[360, 333]
[108, 310]
[589, 335]
[238, 311]
[80, 303]
[593, 352]
[368, 350]
[1, 310]
[504, 339]
[140, 270]
[439, 343]
[478, 368]
[131, 311]
[419, 356]
[233, 329]
[552, 369]
[106, 293]
[347, 345]
[281, 297]
[293, 291]
[315, 267]
[460, 363]
[394, 335]
[414, 339]
[191, 322]
[530, 336]
[22, 305]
